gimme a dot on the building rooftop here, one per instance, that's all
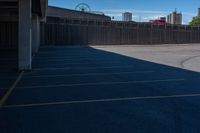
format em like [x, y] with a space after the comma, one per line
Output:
[69, 13]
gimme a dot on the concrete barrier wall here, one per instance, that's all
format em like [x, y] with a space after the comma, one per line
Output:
[106, 33]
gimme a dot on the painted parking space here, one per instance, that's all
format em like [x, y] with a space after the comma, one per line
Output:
[88, 90]
[163, 115]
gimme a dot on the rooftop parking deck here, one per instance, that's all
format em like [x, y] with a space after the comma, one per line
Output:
[85, 89]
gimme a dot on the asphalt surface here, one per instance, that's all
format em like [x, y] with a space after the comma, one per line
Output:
[185, 56]
[74, 90]
[8, 71]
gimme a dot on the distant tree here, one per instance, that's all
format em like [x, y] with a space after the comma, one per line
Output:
[195, 21]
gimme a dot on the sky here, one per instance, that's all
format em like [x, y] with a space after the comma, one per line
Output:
[143, 10]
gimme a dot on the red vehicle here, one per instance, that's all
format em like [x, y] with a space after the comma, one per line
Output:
[158, 21]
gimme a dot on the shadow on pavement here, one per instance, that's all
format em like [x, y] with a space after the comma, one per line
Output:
[90, 74]
[8, 69]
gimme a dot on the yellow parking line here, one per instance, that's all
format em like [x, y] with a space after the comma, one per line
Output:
[5, 97]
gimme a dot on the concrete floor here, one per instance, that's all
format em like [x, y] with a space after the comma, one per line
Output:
[185, 56]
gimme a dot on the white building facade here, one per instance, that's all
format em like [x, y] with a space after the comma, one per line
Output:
[127, 16]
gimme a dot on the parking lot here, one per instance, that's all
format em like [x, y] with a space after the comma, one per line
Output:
[107, 89]
[8, 71]
[186, 56]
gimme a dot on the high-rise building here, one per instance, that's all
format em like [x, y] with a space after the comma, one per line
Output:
[174, 18]
[198, 12]
[127, 16]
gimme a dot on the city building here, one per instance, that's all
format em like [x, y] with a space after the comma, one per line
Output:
[163, 18]
[198, 14]
[127, 16]
[174, 18]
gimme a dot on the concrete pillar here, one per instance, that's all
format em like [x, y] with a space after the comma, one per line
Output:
[35, 34]
[24, 48]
